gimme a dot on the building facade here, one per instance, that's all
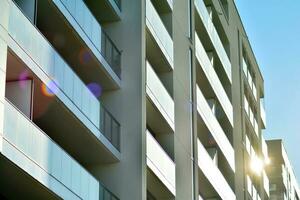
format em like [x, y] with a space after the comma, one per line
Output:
[283, 183]
[130, 100]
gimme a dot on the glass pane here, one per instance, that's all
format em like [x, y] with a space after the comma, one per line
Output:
[56, 162]
[85, 101]
[107, 126]
[59, 71]
[96, 34]
[10, 124]
[94, 111]
[108, 52]
[77, 92]
[87, 23]
[106, 195]
[76, 170]
[101, 192]
[68, 82]
[102, 113]
[115, 134]
[79, 15]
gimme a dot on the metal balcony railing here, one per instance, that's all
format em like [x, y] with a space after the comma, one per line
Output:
[105, 194]
[109, 127]
[118, 3]
[111, 53]
[93, 30]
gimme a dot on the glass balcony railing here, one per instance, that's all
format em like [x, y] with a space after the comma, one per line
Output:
[213, 79]
[159, 95]
[105, 194]
[248, 145]
[92, 29]
[249, 185]
[263, 113]
[65, 80]
[249, 79]
[251, 189]
[264, 148]
[159, 32]
[214, 37]
[254, 193]
[215, 128]
[160, 163]
[251, 116]
[40, 149]
[266, 183]
[213, 174]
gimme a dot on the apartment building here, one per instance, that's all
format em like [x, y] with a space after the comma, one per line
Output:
[283, 183]
[130, 100]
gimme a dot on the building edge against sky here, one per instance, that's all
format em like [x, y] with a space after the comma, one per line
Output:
[130, 100]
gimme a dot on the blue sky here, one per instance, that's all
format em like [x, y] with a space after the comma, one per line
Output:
[273, 28]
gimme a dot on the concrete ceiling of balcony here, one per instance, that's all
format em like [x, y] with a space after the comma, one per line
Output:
[17, 184]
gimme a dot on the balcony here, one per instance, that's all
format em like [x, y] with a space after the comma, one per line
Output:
[36, 154]
[46, 64]
[266, 183]
[161, 106]
[264, 148]
[159, 42]
[105, 11]
[213, 174]
[251, 116]
[263, 114]
[165, 6]
[83, 21]
[215, 129]
[161, 165]
[91, 47]
[248, 145]
[251, 189]
[105, 194]
[214, 37]
[248, 76]
[213, 79]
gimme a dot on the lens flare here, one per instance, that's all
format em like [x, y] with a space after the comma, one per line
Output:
[49, 89]
[22, 79]
[95, 88]
[267, 161]
[256, 165]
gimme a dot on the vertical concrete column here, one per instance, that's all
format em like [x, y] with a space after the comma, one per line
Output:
[4, 17]
[239, 125]
[184, 87]
[132, 168]
[127, 178]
